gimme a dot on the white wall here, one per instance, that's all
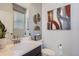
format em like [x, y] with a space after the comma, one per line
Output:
[75, 25]
[34, 9]
[68, 38]
[6, 16]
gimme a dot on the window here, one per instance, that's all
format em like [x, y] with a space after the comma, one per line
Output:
[19, 20]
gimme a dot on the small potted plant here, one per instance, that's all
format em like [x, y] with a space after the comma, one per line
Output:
[2, 34]
[2, 30]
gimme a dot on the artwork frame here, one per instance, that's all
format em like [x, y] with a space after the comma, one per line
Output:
[37, 18]
[59, 18]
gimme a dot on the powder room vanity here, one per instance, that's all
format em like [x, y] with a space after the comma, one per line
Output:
[24, 48]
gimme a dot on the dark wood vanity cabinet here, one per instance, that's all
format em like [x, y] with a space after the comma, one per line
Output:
[34, 52]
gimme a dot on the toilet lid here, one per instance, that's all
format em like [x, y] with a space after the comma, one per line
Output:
[48, 52]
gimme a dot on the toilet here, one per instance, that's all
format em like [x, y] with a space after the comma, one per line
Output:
[48, 52]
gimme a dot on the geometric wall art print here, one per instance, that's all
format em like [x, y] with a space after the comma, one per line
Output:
[60, 18]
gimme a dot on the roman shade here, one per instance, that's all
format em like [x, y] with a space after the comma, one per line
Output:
[19, 8]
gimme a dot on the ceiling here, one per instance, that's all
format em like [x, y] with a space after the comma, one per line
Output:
[25, 5]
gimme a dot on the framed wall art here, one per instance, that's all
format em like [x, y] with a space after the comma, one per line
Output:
[60, 18]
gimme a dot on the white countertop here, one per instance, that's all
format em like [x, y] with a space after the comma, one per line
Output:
[20, 48]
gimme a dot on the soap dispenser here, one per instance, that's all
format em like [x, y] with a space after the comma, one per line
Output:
[60, 48]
